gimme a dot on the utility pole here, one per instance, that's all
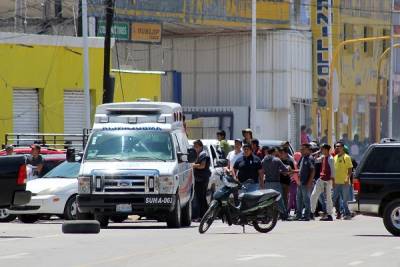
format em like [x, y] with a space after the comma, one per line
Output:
[331, 113]
[253, 76]
[390, 93]
[86, 64]
[108, 85]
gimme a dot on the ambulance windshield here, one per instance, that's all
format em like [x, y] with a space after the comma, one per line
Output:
[130, 146]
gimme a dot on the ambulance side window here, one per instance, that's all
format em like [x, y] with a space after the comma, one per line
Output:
[176, 142]
[183, 143]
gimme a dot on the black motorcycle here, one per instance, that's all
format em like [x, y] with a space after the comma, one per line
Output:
[258, 209]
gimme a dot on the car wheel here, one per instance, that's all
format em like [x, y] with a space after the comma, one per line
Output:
[28, 218]
[391, 217]
[102, 219]
[5, 216]
[70, 210]
[174, 217]
[186, 218]
[81, 227]
[118, 218]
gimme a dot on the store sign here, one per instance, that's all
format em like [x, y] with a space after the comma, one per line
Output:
[321, 49]
[146, 32]
[119, 30]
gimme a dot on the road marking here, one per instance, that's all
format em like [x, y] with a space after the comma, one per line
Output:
[397, 248]
[258, 256]
[13, 256]
[377, 254]
[355, 263]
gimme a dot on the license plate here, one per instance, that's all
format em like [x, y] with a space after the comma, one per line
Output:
[124, 208]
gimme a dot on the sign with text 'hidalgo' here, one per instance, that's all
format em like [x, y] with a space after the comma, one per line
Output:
[146, 32]
[320, 22]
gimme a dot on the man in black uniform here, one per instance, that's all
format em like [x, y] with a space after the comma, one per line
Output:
[36, 160]
[202, 173]
[248, 170]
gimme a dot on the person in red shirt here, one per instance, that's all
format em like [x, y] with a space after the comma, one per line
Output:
[324, 183]
[255, 147]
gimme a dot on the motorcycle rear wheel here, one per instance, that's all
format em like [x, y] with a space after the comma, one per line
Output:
[208, 217]
[265, 227]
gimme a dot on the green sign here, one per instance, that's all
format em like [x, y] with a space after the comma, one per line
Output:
[119, 30]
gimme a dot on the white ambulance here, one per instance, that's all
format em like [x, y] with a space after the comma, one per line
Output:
[137, 161]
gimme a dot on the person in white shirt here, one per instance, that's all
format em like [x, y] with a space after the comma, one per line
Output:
[235, 154]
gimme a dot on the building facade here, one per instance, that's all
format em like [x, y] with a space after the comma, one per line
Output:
[356, 74]
[41, 84]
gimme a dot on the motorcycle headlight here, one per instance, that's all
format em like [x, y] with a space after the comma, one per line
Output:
[84, 185]
[166, 185]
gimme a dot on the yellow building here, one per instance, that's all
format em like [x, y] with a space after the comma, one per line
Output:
[356, 70]
[41, 83]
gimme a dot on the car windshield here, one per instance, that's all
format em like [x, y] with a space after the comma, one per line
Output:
[130, 145]
[64, 170]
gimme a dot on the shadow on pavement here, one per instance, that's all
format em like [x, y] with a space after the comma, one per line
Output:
[14, 236]
[233, 233]
[375, 235]
[144, 227]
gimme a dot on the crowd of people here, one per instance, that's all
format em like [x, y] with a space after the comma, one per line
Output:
[313, 182]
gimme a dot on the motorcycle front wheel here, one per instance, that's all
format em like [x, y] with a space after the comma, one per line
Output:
[266, 224]
[209, 217]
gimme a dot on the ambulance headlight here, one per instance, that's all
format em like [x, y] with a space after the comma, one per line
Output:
[166, 185]
[84, 185]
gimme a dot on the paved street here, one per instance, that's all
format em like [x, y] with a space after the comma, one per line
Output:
[361, 242]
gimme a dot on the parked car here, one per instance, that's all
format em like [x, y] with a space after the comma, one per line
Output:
[377, 185]
[53, 194]
[13, 178]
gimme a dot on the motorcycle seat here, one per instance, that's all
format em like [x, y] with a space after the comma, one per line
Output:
[256, 195]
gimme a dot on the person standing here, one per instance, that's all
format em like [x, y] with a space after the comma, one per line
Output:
[306, 176]
[36, 161]
[343, 171]
[247, 136]
[248, 170]
[273, 168]
[303, 135]
[222, 144]
[9, 150]
[285, 178]
[235, 154]
[255, 146]
[325, 182]
[202, 173]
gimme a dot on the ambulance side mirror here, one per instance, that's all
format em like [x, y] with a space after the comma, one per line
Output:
[191, 155]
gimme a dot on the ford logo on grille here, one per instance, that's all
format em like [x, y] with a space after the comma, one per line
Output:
[124, 184]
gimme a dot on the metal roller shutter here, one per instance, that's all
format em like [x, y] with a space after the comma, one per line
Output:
[74, 111]
[26, 110]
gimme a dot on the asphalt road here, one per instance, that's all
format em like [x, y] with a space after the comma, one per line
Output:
[361, 242]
